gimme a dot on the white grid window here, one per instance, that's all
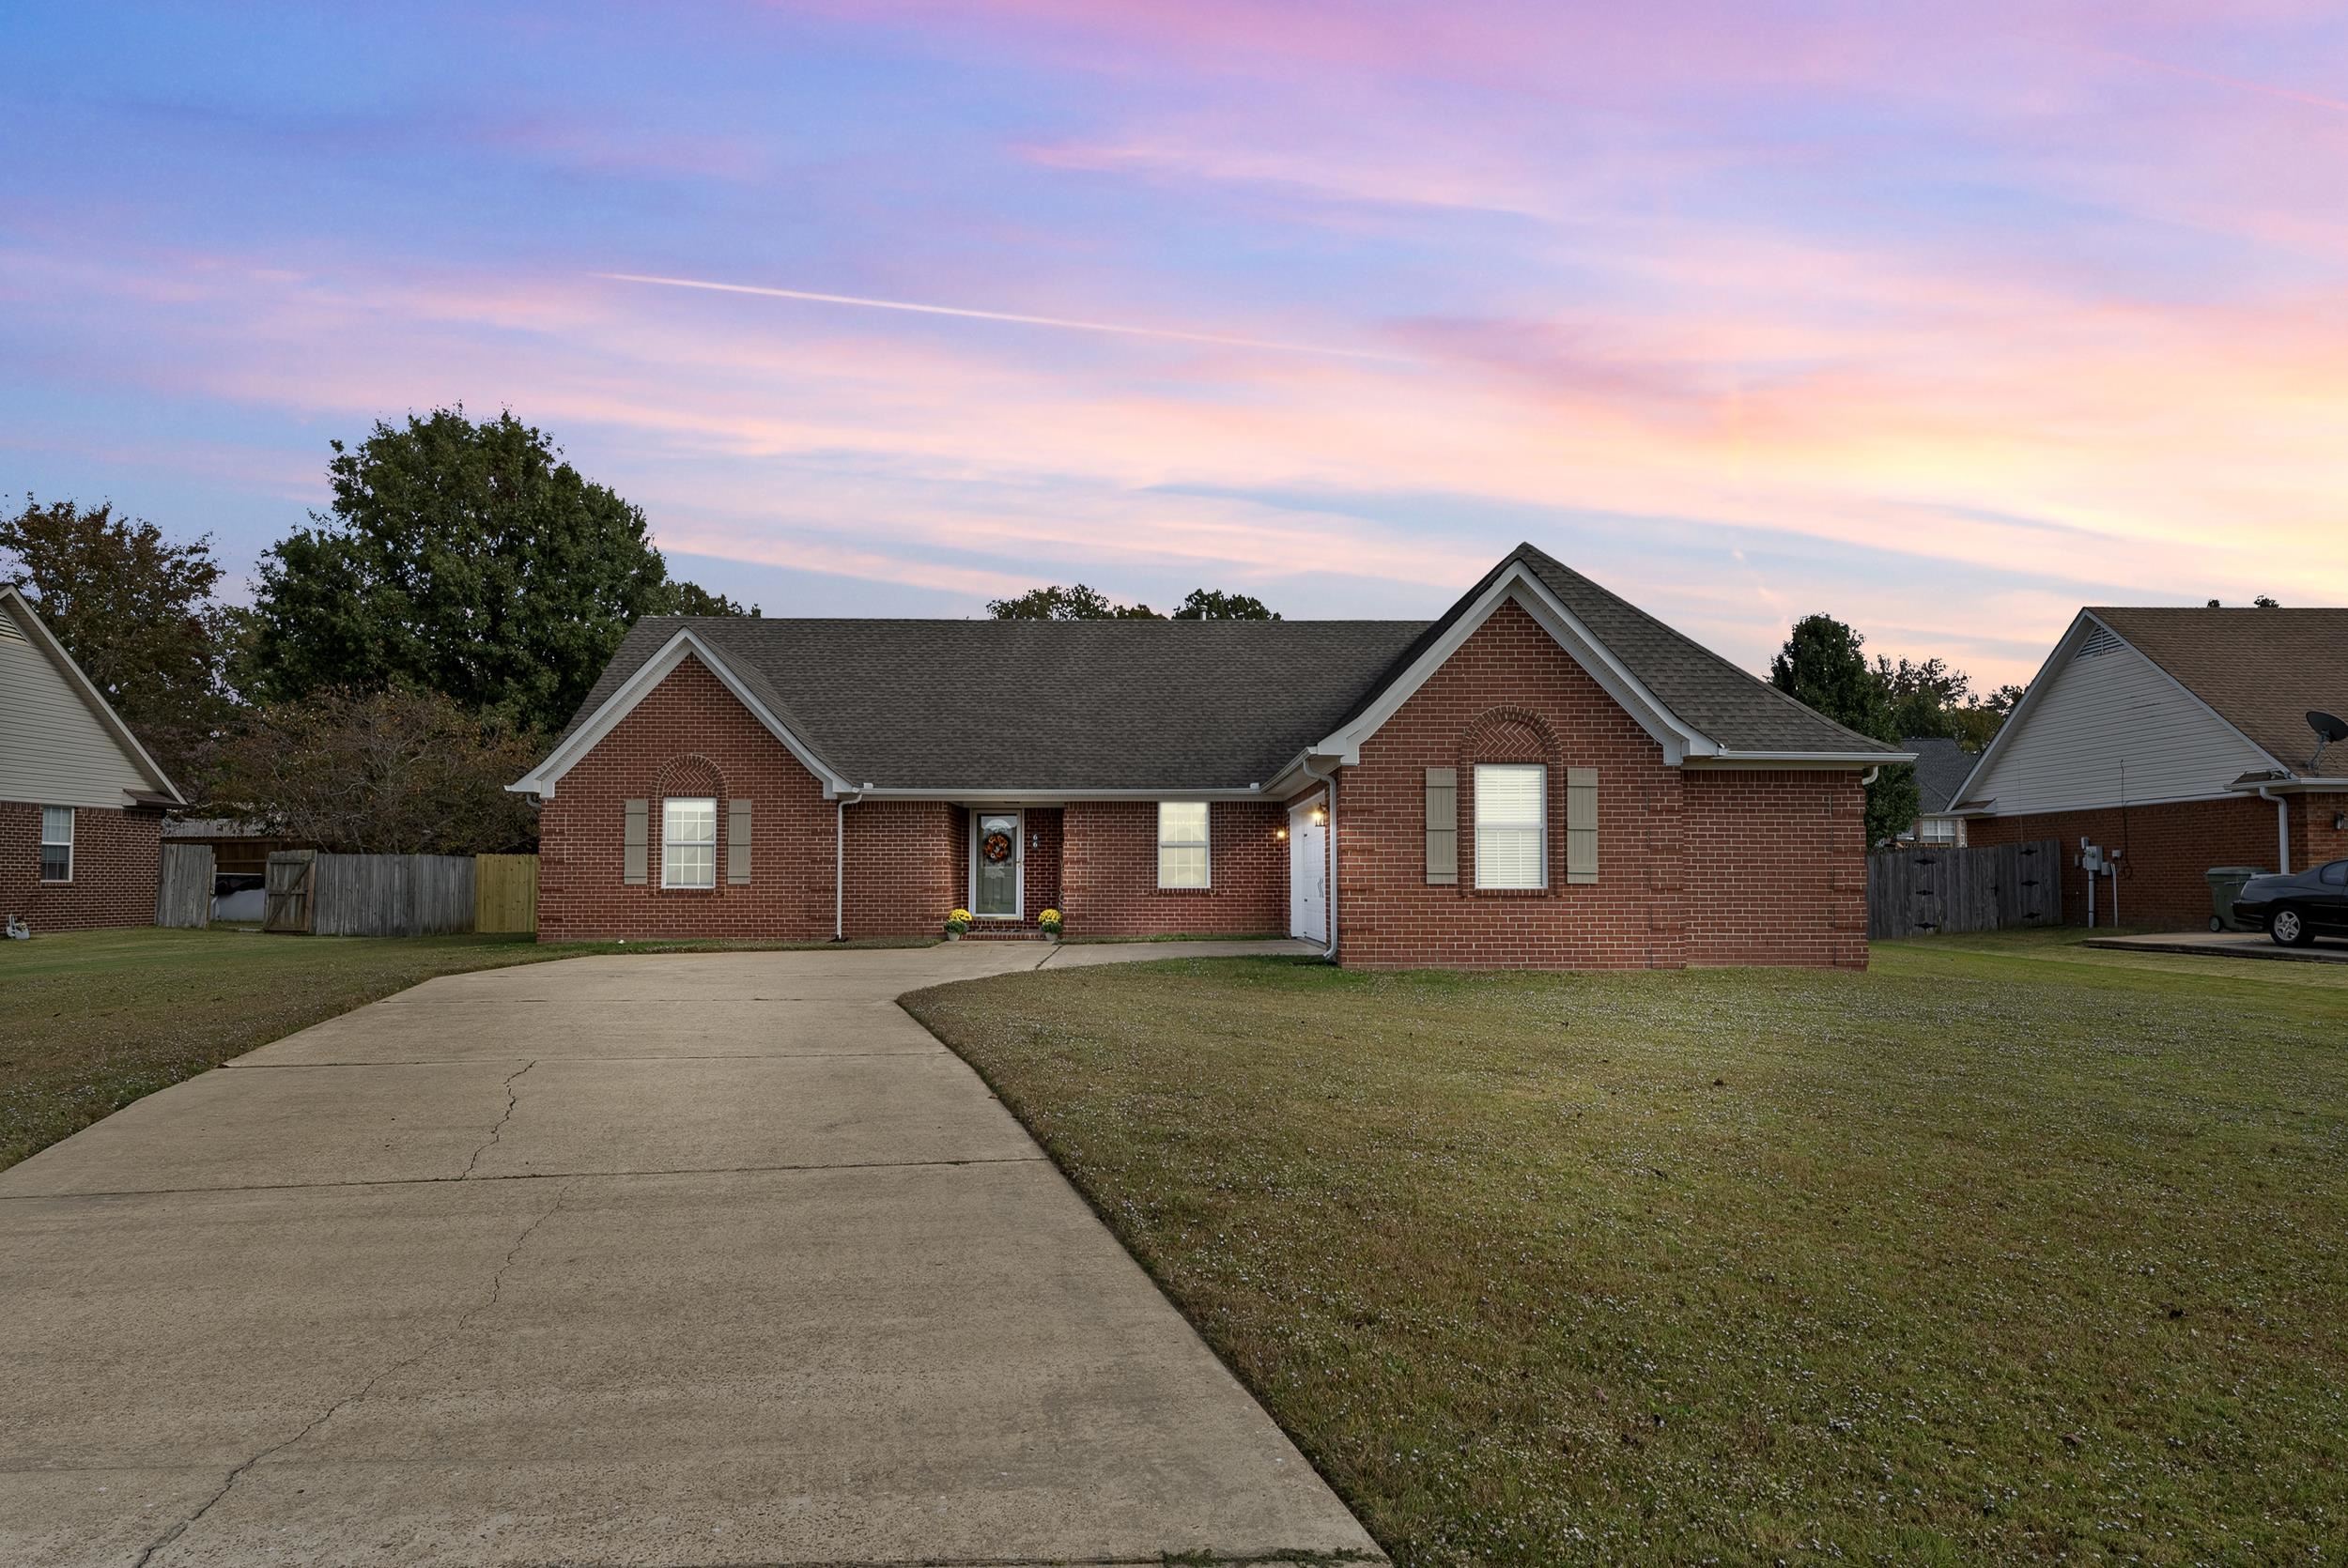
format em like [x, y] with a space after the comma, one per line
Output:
[1511, 825]
[689, 842]
[1183, 843]
[56, 843]
[1936, 830]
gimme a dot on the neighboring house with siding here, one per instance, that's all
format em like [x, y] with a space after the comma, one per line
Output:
[1544, 776]
[2180, 738]
[81, 802]
[1942, 767]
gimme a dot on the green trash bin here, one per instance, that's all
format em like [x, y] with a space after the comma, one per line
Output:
[2225, 885]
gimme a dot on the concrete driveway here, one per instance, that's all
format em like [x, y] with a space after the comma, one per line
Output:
[694, 1259]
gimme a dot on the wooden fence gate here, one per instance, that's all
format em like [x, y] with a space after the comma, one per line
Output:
[292, 878]
[505, 892]
[1933, 889]
[183, 890]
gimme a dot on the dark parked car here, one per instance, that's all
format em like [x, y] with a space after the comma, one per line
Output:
[2295, 909]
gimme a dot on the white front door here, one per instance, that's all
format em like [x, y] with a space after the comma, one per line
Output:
[1309, 876]
[997, 867]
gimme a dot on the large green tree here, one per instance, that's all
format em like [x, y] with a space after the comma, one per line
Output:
[136, 610]
[1823, 666]
[1080, 603]
[466, 559]
[1211, 604]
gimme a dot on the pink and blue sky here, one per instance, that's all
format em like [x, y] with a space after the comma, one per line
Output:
[1945, 319]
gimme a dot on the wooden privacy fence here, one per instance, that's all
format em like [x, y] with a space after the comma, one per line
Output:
[392, 895]
[285, 889]
[398, 894]
[505, 892]
[1929, 890]
[183, 891]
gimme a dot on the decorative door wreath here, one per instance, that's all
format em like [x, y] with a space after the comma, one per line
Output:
[996, 847]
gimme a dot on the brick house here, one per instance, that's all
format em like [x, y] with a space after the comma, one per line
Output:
[81, 802]
[1545, 776]
[2180, 738]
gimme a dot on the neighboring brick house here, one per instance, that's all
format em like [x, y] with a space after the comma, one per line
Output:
[81, 802]
[2179, 738]
[1544, 777]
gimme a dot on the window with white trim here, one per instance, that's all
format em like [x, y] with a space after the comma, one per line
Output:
[1183, 843]
[1936, 830]
[689, 842]
[56, 843]
[1512, 825]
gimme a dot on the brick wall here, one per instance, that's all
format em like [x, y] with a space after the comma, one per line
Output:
[2165, 851]
[117, 854]
[688, 736]
[1109, 871]
[1509, 694]
[1718, 868]
[2313, 838]
[1045, 829]
[907, 867]
[1776, 868]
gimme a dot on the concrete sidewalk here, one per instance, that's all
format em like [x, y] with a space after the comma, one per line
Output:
[2224, 944]
[694, 1259]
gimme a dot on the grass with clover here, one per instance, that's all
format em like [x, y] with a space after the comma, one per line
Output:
[2007, 1250]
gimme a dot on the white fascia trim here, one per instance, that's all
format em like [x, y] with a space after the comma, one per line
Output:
[2228, 792]
[22, 613]
[2082, 624]
[1047, 797]
[1841, 762]
[1580, 643]
[540, 781]
[2287, 786]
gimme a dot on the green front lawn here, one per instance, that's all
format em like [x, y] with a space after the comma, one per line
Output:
[2005, 1249]
[90, 1021]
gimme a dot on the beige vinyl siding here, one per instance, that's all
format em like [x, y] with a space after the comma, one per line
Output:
[2107, 714]
[54, 750]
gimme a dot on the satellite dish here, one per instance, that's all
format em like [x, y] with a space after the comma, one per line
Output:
[2328, 728]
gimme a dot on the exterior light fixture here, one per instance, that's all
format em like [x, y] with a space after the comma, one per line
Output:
[1321, 816]
[1279, 833]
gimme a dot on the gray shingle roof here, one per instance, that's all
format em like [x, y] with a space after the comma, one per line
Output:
[2262, 669]
[1043, 704]
[1156, 704]
[1943, 766]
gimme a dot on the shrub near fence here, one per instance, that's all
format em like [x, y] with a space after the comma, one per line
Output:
[1931, 889]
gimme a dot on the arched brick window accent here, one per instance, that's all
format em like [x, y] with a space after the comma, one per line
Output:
[1510, 735]
[689, 776]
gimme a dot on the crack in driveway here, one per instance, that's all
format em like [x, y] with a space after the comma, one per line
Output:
[497, 1288]
[512, 1100]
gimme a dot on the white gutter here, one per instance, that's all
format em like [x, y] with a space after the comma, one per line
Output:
[840, 864]
[2282, 829]
[1328, 781]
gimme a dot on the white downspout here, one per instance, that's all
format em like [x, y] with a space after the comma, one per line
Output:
[840, 864]
[2282, 829]
[1329, 782]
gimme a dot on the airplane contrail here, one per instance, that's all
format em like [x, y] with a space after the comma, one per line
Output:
[1115, 329]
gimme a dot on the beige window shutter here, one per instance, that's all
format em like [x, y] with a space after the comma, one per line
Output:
[1442, 826]
[1580, 825]
[638, 815]
[738, 841]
